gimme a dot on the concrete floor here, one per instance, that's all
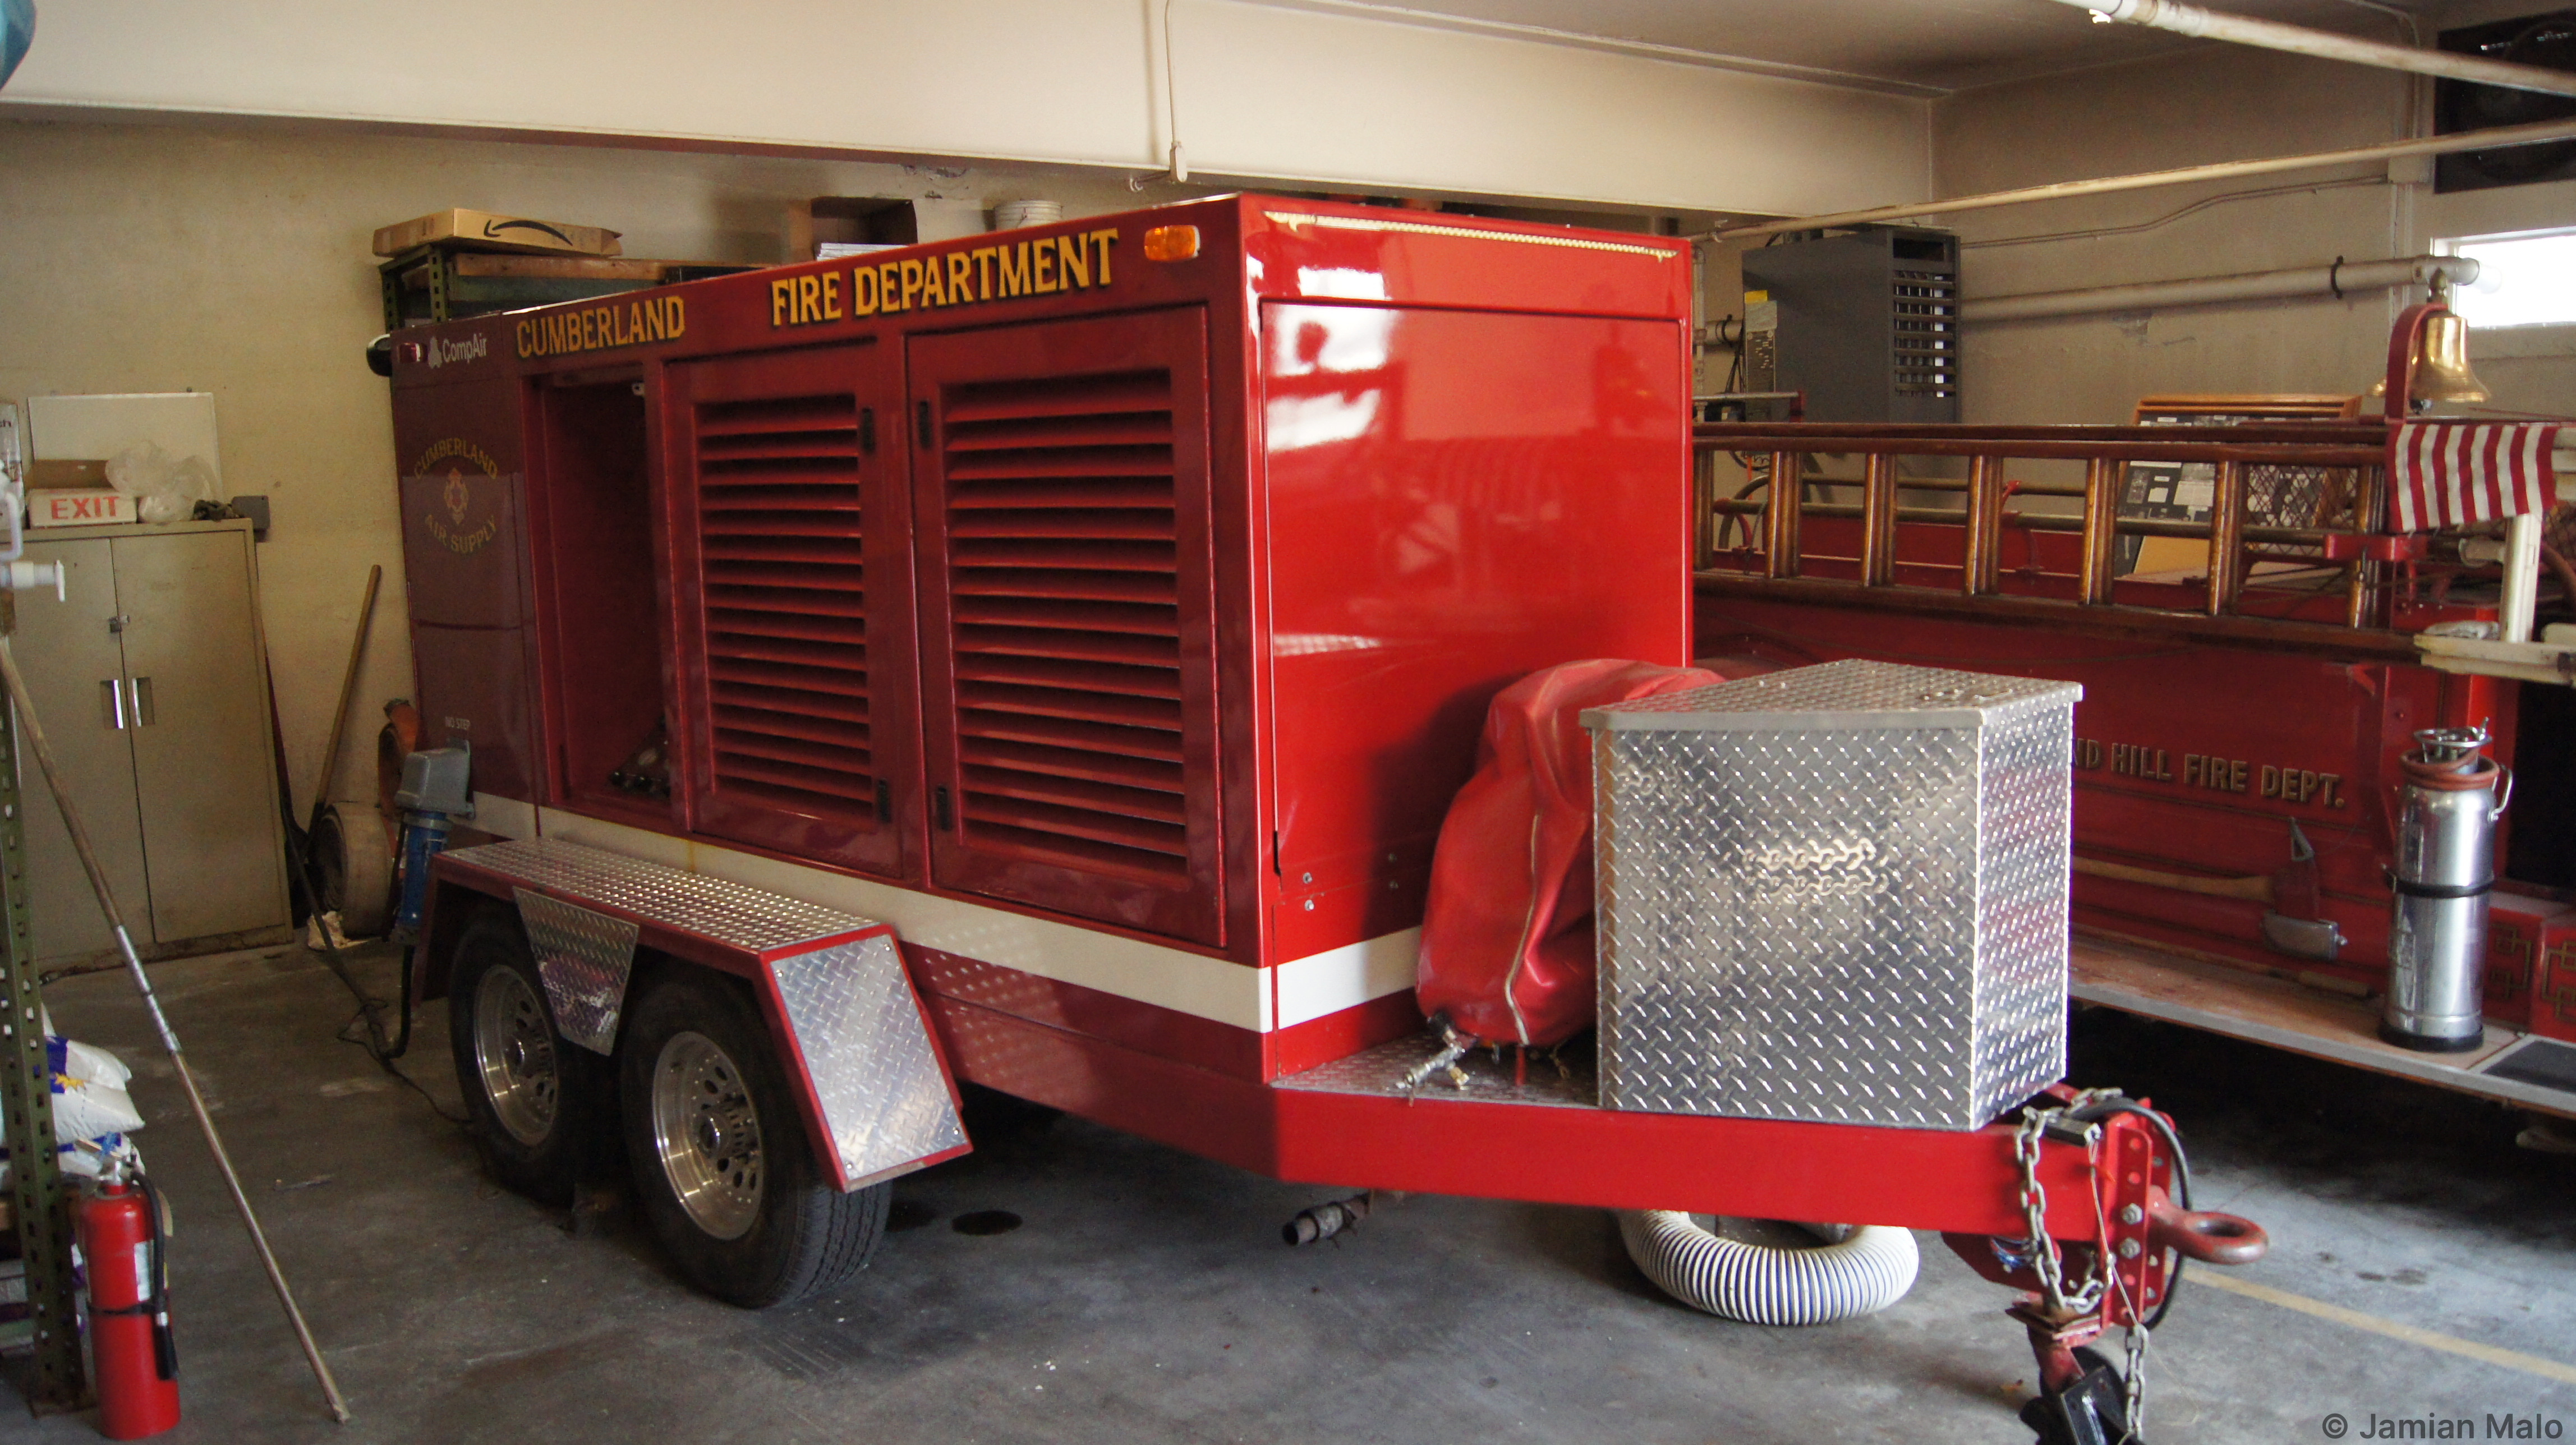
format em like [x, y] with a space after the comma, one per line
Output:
[1147, 1297]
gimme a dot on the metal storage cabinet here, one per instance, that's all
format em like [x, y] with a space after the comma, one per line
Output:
[150, 684]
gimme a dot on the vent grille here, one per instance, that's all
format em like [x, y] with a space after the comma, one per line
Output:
[1063, 580]
[780, 529]
[1927, 333]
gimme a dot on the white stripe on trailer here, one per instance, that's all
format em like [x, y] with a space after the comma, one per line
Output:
[1209, 988]
[1356, 973]
[504, 817]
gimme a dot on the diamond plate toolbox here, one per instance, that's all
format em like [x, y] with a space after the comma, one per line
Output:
[1834, 894]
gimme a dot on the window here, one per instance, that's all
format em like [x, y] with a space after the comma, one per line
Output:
[2525, 279]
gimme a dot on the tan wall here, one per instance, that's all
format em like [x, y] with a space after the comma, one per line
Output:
[158, 258]
[2215, 103]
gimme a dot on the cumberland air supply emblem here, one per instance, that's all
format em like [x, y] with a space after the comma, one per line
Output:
[463, 464]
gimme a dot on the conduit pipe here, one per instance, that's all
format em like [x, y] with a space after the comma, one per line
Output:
[2326, 45]
[1866, 1270]
[2497, 138]
[2339, 278]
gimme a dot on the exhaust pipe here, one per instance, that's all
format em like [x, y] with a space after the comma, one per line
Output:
[2325, 45]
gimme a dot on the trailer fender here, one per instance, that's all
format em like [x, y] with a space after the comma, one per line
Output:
[872, 1083]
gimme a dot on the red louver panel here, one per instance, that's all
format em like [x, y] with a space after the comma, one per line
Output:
[782, 499]
[1074, 727]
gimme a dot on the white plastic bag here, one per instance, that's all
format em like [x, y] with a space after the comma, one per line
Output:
[165, 488]
[89, 1092]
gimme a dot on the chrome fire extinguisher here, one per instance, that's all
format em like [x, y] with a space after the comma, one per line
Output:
[134, 1362]
[2437, 934]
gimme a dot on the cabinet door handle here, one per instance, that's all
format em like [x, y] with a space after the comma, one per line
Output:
[939, 809]
[111, 702]
[143, 714]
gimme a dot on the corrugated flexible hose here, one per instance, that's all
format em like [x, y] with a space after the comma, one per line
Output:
[1758, 1284]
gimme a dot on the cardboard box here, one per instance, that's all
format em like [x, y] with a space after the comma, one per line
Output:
[90, 507]
[2514, 923]
[485, 231]
[2553, 979]
[54, 475]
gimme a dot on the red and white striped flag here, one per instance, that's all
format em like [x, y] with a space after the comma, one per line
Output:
[2453, 473]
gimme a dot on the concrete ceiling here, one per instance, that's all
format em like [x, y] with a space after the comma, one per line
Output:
[1910, 46]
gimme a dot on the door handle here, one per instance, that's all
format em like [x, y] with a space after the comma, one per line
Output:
[111, 702]
[143, 713]
[940, 813]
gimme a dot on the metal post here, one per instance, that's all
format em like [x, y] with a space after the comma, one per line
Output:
[2365, 600]
[1878, 522]
[1983, 562]
[1703, 510]
[2101, 527]
[2521, 576]
[1780, 519]
[2227, 539]
[36, 1199]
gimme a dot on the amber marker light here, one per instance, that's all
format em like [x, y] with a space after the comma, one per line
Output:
[1171, 243]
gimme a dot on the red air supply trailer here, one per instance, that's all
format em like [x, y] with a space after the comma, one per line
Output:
[1110, 609]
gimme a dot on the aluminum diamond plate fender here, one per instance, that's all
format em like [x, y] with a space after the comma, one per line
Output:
[861, 1049]
[584, 957]
[872, 1084]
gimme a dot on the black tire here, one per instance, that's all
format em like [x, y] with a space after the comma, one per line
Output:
[698, 1084]
[531, 1095]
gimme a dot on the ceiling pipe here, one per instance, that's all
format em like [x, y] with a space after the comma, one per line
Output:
[2535, 133]
[2341, 278]
[2326, 45]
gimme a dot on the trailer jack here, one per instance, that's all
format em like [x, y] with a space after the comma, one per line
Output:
[2125, 1275]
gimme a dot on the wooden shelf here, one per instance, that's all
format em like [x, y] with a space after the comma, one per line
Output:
[2285, 1014]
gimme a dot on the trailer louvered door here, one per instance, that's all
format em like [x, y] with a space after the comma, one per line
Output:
[795, 618]
[1068, 664]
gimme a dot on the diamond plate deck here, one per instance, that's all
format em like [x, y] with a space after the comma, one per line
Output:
[730, 913]
[584, 958]
[874, 1071]
[1381, 1071]
[1836, 894]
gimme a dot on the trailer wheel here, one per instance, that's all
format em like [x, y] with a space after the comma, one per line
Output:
[720, 1157]
[522, 1086]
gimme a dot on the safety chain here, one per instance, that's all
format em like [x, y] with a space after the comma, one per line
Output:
[2044, 1256]
[2137, 1381]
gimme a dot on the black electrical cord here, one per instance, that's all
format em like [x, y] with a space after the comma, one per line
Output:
[370, 1008]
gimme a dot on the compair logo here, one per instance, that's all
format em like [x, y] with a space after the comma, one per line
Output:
[471, 348]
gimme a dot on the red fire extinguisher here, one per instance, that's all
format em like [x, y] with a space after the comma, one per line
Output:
[135, 1362]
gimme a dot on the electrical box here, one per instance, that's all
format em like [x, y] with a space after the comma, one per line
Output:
[1865, 322]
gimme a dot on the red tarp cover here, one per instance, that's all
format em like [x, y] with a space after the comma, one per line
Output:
[1507, 936]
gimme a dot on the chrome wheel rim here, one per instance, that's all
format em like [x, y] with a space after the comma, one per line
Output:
[707, 1131]
[514, 1052]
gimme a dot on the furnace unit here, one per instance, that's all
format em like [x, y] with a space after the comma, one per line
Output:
[1865, 322]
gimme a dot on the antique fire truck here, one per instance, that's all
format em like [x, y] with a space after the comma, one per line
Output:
[1043, 661]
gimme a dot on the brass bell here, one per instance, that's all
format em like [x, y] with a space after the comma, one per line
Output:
[2442, 372]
